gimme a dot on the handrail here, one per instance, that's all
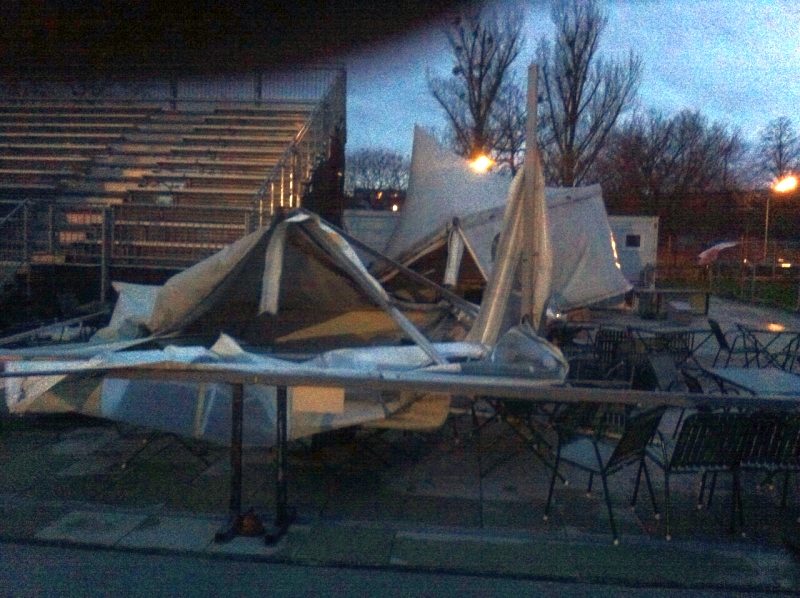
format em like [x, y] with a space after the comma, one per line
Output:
[277, 171]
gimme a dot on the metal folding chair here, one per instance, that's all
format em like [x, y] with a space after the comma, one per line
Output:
[727, 347]
[598, 455]
[707, 443]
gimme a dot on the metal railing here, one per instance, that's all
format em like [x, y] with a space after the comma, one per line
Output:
[284, 186]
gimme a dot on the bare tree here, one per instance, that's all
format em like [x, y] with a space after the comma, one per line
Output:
[778, 148]
[376, 169]
[509, 119]
[583, 95]
[651, 159]
[484, 44]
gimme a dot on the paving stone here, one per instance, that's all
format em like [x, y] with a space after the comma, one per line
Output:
[342, 545]
[91, 527]
[192, 534]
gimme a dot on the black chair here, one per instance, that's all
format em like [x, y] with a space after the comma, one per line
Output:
[668, 378]
[773, 446]
[598, 455]
[707, 443]
[724, 346]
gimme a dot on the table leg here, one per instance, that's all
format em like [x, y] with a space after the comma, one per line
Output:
[284, 516]
[231, 529]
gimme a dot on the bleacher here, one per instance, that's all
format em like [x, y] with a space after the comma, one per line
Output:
[166, 181]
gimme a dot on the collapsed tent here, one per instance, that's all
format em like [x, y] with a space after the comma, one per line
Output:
[450, 207]
[300, 267]
[296, 286]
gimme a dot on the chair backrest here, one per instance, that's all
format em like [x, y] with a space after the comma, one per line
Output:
[576, 418]
[613, 347]
[692, 383]
[710, 441]
[762, 448]
[719, 335]
[667, 376]
[639, 430]
[773, 442]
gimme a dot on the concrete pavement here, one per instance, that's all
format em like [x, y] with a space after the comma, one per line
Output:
[413, 505]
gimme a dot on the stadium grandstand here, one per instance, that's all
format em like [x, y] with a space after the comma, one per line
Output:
[133, 180]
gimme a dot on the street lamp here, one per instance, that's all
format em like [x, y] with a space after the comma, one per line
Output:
[481, 163]
[784, 184]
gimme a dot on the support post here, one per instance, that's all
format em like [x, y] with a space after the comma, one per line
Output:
[231, 529]
[106, 243]
[284, 516]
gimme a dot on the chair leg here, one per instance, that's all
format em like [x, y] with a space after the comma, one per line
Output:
[667, 506]
[736, 502]
[701, 494]
[635, 494]
[589, 486]
[610, 510]
[678, 424]
[711, 489]
[650, 489]
[785, 493]
[552, 484]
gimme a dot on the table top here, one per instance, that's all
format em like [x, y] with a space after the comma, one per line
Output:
[760, 381]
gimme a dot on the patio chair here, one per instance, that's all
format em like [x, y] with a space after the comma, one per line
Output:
[608, 359]
[598, 455]
[668, 378]
[707, 443]
[773, 446]
[724, 346]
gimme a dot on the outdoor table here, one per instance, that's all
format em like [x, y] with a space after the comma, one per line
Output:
[758, 381]
[777, 348]
[682, 341]
[652, 300]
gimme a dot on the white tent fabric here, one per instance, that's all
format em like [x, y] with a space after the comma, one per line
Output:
[444, 193]
[248, 271]
[202, 410]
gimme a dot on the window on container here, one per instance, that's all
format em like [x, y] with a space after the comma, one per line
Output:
[633, 240]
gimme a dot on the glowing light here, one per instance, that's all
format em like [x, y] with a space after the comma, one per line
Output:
[774, 327]
[395, 207]
[614, 251]
[481, 164]
[785, 184]
[786, 264]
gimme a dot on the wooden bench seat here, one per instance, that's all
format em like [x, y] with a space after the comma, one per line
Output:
[259, 120]
[64, 136]
[264, 140]
[261, 128]
[8, 126]
[198, 191]
[20, 173]
[178, 164]
[75, 117]
[4, 186]
[77, 163]
[78, 106]
[51, 147]
[192, 177]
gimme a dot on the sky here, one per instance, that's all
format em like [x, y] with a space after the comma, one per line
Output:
[736, 61]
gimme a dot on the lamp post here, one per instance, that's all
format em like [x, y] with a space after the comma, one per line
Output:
[784, 184]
